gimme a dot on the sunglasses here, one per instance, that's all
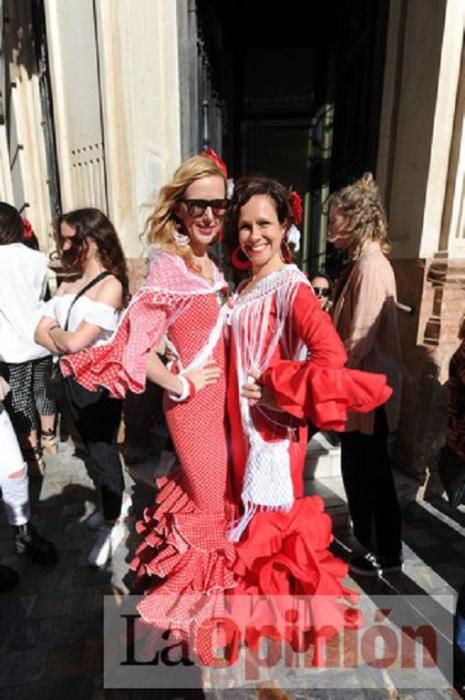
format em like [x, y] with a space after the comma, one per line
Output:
[197, 207]
[321, 291]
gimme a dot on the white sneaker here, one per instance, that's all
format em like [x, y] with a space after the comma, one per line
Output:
[125, 506]
[101, 551]
[96, 520]
[107, 540]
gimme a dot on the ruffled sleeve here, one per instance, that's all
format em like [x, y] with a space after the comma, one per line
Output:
[321, 388]
[120, 364]
[102, 315]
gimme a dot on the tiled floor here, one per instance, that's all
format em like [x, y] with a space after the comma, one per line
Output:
[51, 626]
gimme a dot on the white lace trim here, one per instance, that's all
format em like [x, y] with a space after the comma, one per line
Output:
[267, 480]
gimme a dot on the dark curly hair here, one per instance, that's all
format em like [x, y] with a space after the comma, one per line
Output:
[244, 189]
[11, 225]
[92, 223]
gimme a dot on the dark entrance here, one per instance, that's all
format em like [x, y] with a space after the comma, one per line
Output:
[291, 89]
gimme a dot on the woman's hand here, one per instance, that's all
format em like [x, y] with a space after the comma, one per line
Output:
[207, 374]
[42, 334]
[256, 393]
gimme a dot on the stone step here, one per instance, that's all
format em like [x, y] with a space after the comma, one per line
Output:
[323, 458]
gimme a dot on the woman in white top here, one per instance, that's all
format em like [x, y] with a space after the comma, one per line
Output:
[89, 246]
[23, 363]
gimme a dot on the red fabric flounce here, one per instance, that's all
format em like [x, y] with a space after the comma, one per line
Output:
[285, 572]
[325, 395]
[187, 553]
[120, 364]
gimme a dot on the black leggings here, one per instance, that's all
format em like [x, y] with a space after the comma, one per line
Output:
[98, 426]
[370, 488]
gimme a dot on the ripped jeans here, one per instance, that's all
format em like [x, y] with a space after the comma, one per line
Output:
[14, 481]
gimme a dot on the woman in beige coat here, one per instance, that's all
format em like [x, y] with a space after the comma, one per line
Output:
[365, 315]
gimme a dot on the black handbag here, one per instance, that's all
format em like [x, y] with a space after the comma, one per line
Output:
[54, 384]
[451, 470]
[59, 388]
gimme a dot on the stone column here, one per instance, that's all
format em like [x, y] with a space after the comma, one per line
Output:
[418, 138]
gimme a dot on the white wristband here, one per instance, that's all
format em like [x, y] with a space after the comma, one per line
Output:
[185, 390]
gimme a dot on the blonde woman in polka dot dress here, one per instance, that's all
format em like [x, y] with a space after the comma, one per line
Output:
[184, 553]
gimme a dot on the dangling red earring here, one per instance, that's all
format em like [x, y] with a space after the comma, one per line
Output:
[286, 251]
[239, 259]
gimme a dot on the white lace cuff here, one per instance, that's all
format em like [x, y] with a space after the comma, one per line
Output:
[185, 390]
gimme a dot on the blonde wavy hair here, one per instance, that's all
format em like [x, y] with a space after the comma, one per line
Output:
[360, 203]
[162, 223]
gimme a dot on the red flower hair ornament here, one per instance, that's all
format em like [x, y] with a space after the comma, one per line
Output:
[293, 233]
[297, 210]
[213, 155]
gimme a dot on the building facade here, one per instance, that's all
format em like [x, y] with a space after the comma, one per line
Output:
[101, 100]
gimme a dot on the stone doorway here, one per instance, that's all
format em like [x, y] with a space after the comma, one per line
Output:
[293, 97]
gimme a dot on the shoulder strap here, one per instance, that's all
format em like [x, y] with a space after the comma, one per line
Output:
[82, 291]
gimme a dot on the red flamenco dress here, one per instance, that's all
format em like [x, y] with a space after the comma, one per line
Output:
[279, 330]
[184, 554]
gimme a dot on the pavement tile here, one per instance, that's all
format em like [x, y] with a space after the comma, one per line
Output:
[11, 693]
[70, 689]
[87, 577]
[83, 602]
[44, 690]
[64, 661]
[26, 663]
[47, 604]
[92, 656]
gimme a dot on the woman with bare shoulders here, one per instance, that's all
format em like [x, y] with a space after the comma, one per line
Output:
[82, 315]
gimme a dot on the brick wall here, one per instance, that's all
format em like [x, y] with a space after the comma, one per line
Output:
[435, 289]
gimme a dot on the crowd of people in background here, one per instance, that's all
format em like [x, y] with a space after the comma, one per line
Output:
[239, 426]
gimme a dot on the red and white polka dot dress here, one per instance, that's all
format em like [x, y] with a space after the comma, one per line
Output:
[183, 550]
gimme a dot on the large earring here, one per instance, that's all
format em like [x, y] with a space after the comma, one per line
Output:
[239, 259]
[286, 251]
[181, 239]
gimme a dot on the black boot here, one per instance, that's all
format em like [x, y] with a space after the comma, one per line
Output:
[39, 550]
[9, 578]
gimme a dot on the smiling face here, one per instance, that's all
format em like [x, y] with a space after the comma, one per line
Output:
[204, 227]
[261, 233]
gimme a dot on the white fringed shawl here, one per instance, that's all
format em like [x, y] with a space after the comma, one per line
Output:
[267, 480]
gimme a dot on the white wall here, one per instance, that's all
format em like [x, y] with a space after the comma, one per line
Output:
[116, 98]
[71, 37]
[138, 55]
[420, 89]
